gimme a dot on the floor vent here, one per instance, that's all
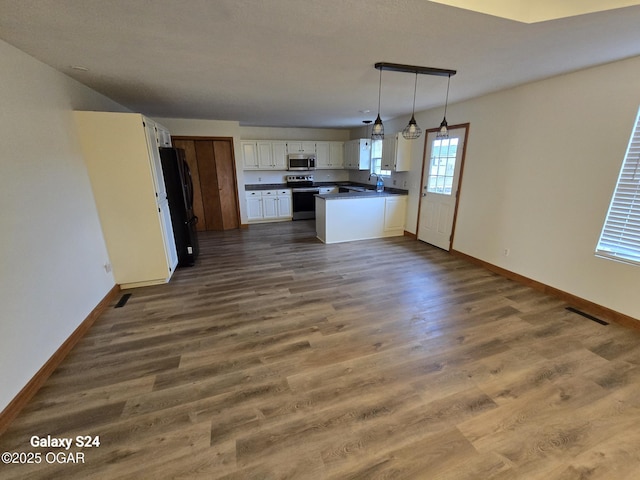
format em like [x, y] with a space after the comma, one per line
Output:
[123, 300]
[586, 315]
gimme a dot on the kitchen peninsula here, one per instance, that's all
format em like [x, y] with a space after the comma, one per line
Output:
[360, 215]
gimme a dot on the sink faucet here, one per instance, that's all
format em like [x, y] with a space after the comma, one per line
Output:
[379, 182]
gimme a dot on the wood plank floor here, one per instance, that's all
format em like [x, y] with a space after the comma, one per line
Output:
[278, 357]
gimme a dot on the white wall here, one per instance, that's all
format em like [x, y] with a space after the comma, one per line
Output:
[51, 245]
[542, 161]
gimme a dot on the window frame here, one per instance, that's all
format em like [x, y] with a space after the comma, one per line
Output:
[376, 162]
[620, 235]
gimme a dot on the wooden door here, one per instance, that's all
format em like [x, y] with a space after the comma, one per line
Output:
[440, 184]
[213, 170]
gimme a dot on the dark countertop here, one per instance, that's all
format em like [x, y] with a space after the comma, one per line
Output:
[264, 186]
[366, 194]
[369, 188]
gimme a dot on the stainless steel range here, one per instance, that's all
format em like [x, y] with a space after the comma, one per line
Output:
[303, 196]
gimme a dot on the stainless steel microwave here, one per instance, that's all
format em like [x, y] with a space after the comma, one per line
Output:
[301, 161]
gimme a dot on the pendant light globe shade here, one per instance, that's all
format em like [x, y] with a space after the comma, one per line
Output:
[412, 130]
[444, 129]
[377, 132]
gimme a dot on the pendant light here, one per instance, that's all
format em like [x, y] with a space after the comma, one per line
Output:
[377, 132]
[444, 130]
[412, 130]
[366, 123]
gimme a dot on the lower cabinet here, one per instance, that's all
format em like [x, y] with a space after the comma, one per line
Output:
[395, 211]
[350, 218]
[254, 206]
[269, 205]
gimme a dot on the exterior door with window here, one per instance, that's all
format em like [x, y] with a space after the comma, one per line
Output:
[439, 196]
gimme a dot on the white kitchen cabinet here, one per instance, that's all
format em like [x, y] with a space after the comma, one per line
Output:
[396, 153]
[285, 210]
[357, 154]
[336, 154]
[249, 155]
[254, 206]
[279, 153]
[264, 155]
[350, 218]
[268, 205]
[323, 159]
[329, 155]
[301, 147]
[121, 154]
[257, 155]
[395, 211]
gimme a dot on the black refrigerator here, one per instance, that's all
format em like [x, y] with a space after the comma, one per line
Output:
[177, 179]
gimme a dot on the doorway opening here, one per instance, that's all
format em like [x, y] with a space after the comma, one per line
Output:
[215, 187]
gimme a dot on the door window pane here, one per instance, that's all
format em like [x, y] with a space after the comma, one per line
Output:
[442, 165]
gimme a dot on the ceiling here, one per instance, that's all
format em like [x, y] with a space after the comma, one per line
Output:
[292, 63]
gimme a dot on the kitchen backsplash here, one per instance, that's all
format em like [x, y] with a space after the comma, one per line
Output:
[402, 180]
[262, 176]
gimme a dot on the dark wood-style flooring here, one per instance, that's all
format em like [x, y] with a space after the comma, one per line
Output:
[278, 357]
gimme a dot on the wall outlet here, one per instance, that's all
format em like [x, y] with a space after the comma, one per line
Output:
[394, 181]
[107, 267]
[259, 179]
[506, 252]
[404, 184]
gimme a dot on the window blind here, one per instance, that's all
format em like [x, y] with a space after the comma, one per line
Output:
[620, 237]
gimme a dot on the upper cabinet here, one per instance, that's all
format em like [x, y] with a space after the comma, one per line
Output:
[121, 154]
[301, 147]
[272, 154]
[255, 154]
[357, 154]
[279, 154]
[329, 155]
[396, 153]
[263, 155]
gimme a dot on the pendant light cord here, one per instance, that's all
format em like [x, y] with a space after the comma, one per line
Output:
[446, 101]
[379, 90]
[415, 86]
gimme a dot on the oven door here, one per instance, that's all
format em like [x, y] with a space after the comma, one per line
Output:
[304, 202]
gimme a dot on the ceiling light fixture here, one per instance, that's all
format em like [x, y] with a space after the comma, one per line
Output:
[444, 127]
[377, 132]
[412, 130]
